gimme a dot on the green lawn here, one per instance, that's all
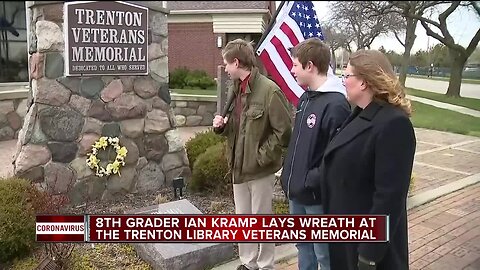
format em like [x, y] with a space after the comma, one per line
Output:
[426, 116]
[194, 91]
[471, 103]
[472, 81]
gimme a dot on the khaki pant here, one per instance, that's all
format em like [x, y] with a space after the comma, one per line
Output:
[255, 197]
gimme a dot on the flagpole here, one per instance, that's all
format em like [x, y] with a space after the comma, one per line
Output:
[270, 26]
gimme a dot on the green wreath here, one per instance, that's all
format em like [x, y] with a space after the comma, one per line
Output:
[113, 167]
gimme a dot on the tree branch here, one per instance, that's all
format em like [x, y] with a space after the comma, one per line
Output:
[473, 43]
[422, 19]
[398, 38]
[443, 19]
[433, 34]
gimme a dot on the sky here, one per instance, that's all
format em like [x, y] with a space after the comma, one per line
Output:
[462, 25]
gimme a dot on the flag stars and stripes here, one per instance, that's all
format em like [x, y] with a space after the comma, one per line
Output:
[299, 21]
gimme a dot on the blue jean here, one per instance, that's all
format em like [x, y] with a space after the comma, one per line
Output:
[310, 255]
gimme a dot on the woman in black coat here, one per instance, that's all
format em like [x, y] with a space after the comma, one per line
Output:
[368, 164]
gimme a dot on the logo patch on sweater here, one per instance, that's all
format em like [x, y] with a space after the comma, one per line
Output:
[311, 120]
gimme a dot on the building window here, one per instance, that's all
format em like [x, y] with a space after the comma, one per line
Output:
[13, 42]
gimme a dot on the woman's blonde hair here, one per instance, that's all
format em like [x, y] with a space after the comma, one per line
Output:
[373, 67]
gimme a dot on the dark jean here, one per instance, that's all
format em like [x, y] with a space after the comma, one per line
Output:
[310, 255]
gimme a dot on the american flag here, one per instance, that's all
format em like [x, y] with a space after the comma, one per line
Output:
[296, 21]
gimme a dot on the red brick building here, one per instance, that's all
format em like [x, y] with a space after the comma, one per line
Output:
[197, 31]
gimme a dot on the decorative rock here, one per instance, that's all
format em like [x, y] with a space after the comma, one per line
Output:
[91, 87]
[145, 87]
[31, 156]
[79, 165]
[6, 133]
[6, 106]
[3, 120]
[132, 128]
[111, 130]
[158, 103]
[35, 174]
[164, 93]
[181, 104]
[158, 24]
[14, 120]
[86, 143]
[22, 108]
[28, 125]
[97, 110]
[37, 136]
[172, 161]
[207, 119]
[36, 66]
[80, 104]
[127, 82]
[48, 34]
[127, 106]
[180, 120]
[92, 125]
[155, 51]
[184, 111]
[156, 146]
[72, 84]
[62, 152]
[182, 171]
[150, 178]
[122, 183]
[53, 65]
[88, 189]
[202, 109]
[175, 142]
[61, 124]
[158, 67]
[193, 120]
[59, 178]
[156, 122]
[53, 13]
[142, 162]
[50, 92]
[141, 146]
[112, 91]
[133, 153]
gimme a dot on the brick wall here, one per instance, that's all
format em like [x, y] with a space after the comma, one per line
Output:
[205, 5]
[193, 45]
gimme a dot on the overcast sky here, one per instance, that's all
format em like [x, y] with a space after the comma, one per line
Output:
[462, 25]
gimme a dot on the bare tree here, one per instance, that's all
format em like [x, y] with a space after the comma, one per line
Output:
[336, 39]
[458, 54]
[352, 17]
[402, 23]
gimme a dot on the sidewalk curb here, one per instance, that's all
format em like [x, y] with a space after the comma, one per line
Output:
[288, 251]
[430, 195]
[447, 106]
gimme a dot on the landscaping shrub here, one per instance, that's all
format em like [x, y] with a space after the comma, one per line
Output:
[210, 171]
[182, 78]
[177, 78]
[199, 144]
[17, 218]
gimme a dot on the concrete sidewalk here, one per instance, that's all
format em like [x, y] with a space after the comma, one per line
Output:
[447, 106]
[443, 234]
[466, 89]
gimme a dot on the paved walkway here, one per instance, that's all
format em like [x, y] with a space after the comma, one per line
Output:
[447, 106]
[466, 90]
[443, 234]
